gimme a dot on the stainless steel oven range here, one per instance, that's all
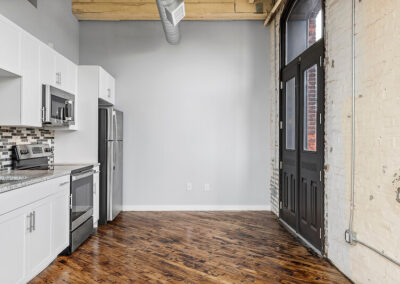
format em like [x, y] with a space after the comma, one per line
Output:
[81, 205]
[36, 157]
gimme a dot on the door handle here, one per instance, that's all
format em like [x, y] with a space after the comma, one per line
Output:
[29, 217]
[34, 221]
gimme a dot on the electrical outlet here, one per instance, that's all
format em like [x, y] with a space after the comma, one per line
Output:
[207, 187]
[189, 186]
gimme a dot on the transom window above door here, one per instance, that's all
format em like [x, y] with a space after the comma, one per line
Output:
[304, 27]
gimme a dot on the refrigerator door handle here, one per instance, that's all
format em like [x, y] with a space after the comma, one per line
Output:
[110, 179]
[115, 125]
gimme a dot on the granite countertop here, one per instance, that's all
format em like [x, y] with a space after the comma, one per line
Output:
[36, 176]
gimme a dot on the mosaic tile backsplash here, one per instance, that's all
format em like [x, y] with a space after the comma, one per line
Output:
[10, 136]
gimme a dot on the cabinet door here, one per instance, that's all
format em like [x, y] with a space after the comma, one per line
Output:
[103, 84]
[106, 87]
[60, 215]
[31, 99]
[61, 74]
[96, 197]
[47, 65]
[10, 47]
[72, 78]
[14, 231]
[39, 252]
[111, 87]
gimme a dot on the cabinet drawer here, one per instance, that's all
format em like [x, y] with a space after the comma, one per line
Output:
[26, 195]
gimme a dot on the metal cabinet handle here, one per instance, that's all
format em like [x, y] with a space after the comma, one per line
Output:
[29, 217]
[58, 79]
[34, 221]
[64, 183]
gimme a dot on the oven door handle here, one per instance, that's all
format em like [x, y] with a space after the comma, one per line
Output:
[82, 175]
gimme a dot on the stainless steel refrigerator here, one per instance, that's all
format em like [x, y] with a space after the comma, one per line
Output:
[111, 163]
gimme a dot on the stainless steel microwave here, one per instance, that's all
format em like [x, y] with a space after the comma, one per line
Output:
[58, 107]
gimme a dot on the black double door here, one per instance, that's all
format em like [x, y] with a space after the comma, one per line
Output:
[302, 145]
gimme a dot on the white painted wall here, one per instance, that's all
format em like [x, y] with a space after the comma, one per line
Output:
[196, 112]
[52, 21]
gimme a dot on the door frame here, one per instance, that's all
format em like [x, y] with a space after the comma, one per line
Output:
[282, 64]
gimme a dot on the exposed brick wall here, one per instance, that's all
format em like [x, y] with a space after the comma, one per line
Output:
[274, 104]
[10, 136]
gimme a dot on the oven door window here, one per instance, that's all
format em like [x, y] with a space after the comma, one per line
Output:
[57, 107]
[82, 198]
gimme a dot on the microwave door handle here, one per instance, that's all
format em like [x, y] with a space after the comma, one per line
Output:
[46, 103]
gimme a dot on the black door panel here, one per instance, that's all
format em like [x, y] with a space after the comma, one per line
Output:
[302, 145]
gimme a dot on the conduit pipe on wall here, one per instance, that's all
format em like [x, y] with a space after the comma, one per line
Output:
[350, 235]
[172, 33]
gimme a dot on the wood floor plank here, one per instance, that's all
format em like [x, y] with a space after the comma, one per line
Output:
[192, 247]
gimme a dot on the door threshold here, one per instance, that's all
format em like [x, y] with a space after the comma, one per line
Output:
[302, 240]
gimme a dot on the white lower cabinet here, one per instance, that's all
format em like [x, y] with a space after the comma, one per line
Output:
[33, 235]
[38, 249]
[61, 224]
[13, 240]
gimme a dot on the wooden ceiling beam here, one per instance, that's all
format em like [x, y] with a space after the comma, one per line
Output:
[119, 10]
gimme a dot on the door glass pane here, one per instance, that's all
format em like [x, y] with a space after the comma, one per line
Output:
[310, 109]
[304, 27]
[291, 114]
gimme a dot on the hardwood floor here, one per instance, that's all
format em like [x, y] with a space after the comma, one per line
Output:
[191, 247]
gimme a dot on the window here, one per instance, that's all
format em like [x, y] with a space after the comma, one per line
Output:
[304, 27]
[291, 114]
[310, 109]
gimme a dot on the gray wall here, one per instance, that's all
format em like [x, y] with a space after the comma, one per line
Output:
[52, 21]
[196, 112]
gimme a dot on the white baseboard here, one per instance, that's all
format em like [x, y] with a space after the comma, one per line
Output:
[196, 208]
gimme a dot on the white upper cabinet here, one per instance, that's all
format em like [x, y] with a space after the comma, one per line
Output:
[58, 71]
[25, 65]
[66, 75]
[47, 65]
[31, 98]
[106, 87]
[10, 46]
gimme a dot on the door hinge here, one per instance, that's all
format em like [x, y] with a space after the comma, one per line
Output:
[320, 233]
[280, 205]
[281, 85]
[320, 61]
[320, 118]
[280, 124]
[70, 201]
[320, 175]
[280, 165]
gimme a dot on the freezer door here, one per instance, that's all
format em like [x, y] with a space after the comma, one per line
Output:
[115, 192]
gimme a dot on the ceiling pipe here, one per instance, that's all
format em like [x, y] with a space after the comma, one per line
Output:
[172, 33]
